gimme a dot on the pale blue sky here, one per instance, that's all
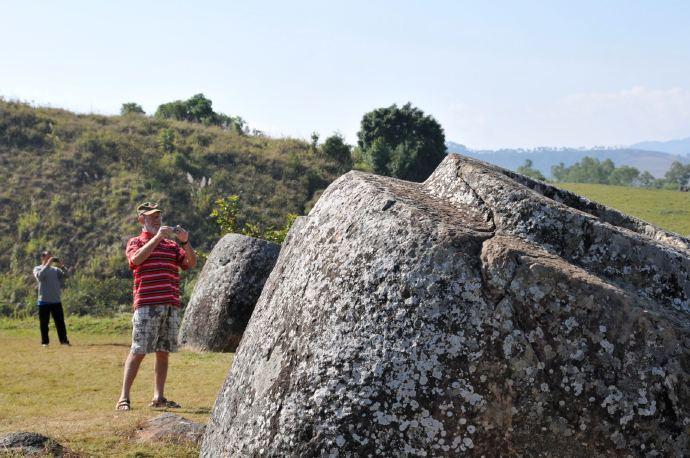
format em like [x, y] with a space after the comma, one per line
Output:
[494, 74]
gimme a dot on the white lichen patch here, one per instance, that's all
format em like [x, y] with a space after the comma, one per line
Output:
[607, 346]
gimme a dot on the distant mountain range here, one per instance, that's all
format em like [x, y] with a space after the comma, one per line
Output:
[680, 147]
[640, 156]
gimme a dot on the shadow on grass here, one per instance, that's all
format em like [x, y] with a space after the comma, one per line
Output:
[198, 411]
[108, 345]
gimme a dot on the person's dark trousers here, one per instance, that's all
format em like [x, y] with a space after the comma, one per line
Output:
[44, 312]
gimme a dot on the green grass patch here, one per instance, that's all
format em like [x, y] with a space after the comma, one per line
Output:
[669, 210]
[69, 393]
[119, 324]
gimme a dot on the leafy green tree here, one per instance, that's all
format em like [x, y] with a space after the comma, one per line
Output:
[176, 110]
[401, 142]
[378, 157]
[678, 174]
[624, 176]
[529, 171]
[131, 109]
[199, 109]
[334, 147]
[646, 180]
[232, 123]
[587, 170]
[559, 172]
[591, 170]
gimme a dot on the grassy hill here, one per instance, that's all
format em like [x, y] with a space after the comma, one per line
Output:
[669, 210]
[70, 183]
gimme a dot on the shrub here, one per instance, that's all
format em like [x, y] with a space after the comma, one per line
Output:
[131, 109]
[88, 295]
[335, 148]
[17, 293]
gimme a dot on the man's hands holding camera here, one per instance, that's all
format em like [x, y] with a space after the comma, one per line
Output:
[169, 232]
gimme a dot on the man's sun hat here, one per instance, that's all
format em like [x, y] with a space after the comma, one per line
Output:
[148, 208]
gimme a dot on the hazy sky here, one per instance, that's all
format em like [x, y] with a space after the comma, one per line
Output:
[494, 74]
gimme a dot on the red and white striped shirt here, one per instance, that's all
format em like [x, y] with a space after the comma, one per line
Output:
[156, 280]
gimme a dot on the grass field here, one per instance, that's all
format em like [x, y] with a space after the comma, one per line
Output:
[69, 393]
[669, 210]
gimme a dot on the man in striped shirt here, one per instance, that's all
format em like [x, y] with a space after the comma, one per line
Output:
[155, 260]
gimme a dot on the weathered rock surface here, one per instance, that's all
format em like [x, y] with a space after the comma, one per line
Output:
[225, 293]
[478, 313]
[30, 444]
[170, 428]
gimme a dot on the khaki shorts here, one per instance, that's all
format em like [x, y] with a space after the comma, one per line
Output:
[154, 328]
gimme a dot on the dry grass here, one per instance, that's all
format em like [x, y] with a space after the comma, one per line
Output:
[69, 393]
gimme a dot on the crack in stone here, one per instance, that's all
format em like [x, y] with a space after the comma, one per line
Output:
[485, 207]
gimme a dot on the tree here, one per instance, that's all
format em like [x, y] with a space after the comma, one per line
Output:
[529, 171]
[195, 109]
[678, 174]
[401, 142]
[199, 109]
[646, 180]
[176, 110]
[378, 157]
[131, 108]
[559, 172]
[334, 147]
[592, 170]
[235, 123]
[624, 176]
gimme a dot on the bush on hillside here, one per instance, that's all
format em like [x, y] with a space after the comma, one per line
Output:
[131, 109]
[334, 147]
[199, 109]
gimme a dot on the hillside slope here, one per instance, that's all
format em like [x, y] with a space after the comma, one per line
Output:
[70, 183]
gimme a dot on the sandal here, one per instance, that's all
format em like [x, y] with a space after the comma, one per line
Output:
[123, 405]
[164, 403]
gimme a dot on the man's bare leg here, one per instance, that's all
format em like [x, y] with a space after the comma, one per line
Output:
[131, 368]
[161, 369]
